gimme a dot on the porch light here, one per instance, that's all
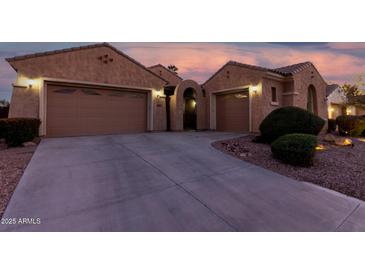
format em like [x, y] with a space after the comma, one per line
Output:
[254, 89]
[30, 82]
[158, 94]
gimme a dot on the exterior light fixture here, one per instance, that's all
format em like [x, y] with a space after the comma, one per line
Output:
[30, 82]
[254, 89]
[320, 147]
[158, 94]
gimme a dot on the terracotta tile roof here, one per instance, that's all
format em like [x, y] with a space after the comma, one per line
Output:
[46, 53]
[162, 66]
[292, 69]
[283, 71]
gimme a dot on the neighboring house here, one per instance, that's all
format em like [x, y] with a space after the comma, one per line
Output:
[97, 89]
[336, 101]
[338, 104]
[358, 103]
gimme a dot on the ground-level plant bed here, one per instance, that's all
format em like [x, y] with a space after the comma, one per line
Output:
[341, 168]
[13, 162]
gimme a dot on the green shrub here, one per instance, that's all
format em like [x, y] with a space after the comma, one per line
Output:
[351, 125]
[346, 124]
[359, 129]
[288, 120]
[331, 125]
[16, 131]
[295, 149]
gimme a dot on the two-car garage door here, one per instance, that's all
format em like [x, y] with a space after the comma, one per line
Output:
[77, 110]
[232, 112]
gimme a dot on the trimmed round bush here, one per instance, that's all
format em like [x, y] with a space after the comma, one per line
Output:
[288, 120]
[16, 131]
[351, 125]
[295, 149]
[346, 124]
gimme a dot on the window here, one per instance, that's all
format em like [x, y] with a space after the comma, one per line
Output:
[274, 97]
[312, 100]
[65, 91]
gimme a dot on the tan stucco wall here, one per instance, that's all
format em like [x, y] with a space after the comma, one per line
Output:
[240, 77]
[177, 106]
[24, 102]
[302, 81]
[169, 76]
[82, 65]
[291, 91]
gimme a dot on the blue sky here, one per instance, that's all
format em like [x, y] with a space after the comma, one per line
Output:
[337, 62]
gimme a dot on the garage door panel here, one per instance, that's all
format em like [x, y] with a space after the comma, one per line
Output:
[232, 112]
[88, 111]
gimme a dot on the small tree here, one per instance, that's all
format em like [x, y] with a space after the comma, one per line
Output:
[351, 90]
[173, 68]
[4, 103]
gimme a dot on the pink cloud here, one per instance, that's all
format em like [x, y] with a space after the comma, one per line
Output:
[342, 45]
[200, 60]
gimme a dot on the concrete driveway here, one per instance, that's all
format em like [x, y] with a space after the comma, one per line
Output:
[167, 182]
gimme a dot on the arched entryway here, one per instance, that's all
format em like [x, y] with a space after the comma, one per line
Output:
[312, 100]
[189, 119]
[187, 107]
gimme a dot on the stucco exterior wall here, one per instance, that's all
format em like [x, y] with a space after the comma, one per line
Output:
[231, 77]
[100, 65]
[169, 76]
[302, 81]
[177, 106]
[24, 102]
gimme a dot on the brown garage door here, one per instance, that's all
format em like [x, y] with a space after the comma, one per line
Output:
[232, 112]
[75, 111]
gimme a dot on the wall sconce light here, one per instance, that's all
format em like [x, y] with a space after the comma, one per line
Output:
[254, 89]
[158, 94]
[30, 82]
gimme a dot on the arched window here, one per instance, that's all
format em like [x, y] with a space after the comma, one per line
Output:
[312, 99]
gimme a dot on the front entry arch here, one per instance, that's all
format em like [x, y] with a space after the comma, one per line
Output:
[187, 107]
[189, 119]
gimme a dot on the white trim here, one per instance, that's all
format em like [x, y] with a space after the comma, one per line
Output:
[42, 108]
[19, 86]
[290, 93]
[46, 79]
[43, 99]
[213, 117]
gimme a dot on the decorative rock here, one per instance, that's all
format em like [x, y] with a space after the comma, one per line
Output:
[341, 141]
[29, 144]
[330, 138]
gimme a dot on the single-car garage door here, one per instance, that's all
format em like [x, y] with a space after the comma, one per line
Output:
[76, 111]
[232, 112]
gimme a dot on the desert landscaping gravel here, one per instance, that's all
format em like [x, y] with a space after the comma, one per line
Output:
[13, 162]
[339, 168]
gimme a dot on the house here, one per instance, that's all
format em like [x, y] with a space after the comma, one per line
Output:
[240, 96]
[358, 102]
[98, 89]
[338, 103]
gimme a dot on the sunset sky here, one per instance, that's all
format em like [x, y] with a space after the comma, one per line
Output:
[337, 62]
